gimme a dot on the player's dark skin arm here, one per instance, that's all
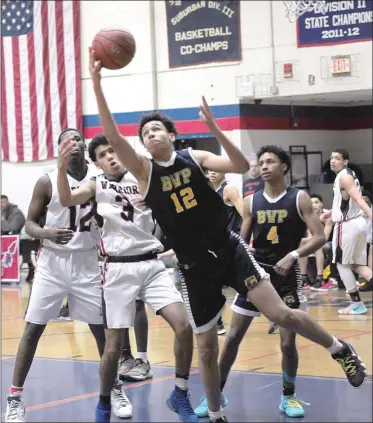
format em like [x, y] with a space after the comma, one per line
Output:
[39, 201]
[313, 244]
[247, 220]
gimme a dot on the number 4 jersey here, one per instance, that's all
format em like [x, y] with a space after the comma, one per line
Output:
[125, 228]
[278, 226]
[77, 218]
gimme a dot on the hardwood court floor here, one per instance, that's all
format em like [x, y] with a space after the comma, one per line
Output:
[259, 351]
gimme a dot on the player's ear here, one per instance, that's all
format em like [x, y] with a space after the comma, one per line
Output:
[172, 137]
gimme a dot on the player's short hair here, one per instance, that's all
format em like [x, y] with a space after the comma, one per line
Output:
[344, 153]
[167, 122]
[317, 196]
[96, 141]
[277, 151]
[60, 137]
[4, 197]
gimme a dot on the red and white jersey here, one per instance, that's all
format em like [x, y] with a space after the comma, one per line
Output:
[125, 229]
[77, 218]
[343, 210]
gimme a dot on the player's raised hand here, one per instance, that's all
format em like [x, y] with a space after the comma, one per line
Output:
[95, 66]
[205, 114]
[67, 147]
[59, 235]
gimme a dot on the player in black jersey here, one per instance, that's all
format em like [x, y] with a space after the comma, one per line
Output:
[276, 218]
[234, 206]
[193, 218]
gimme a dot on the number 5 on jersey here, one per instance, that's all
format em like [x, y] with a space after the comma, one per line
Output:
[187, 197]
[273, 235]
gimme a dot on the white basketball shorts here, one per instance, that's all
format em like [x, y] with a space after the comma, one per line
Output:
[60, 274]
[123, 283]
[350, 242]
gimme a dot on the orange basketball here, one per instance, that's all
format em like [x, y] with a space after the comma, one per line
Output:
[115, 48]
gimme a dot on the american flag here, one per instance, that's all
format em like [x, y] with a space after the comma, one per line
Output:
[40, 76]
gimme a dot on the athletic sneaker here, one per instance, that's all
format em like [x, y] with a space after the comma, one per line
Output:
[140, 371]
[220, 420]
[221, 329]
[64, 313]
[179, 402]
[327, 286]
[120, 404]
[125, 365]
[317, 284]
[291, 406]
[351, 364]
[202, 409]
[15, 409]
[354, 308]
[272, 328]
[367, 287]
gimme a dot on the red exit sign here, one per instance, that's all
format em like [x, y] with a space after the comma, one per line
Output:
[341, 65]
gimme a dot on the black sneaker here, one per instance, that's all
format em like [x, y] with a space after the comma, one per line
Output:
[367, 287]
[221, 329]
[317, 284]
[220, 420]
[351, 364]
[64, 313]
[272, 328]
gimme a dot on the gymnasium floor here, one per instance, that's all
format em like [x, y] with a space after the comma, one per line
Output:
[63, 381]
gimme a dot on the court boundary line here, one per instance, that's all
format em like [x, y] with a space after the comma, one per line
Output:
[156, 380]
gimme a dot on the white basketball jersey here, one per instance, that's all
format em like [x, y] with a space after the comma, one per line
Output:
[125, 229]
[77, 218]
[344, 209]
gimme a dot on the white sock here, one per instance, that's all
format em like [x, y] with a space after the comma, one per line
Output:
[215, 415]
[143, 356]
[182, 383]
[335, 347]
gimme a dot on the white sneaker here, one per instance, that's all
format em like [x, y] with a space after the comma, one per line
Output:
[15, 409]
[120, 404]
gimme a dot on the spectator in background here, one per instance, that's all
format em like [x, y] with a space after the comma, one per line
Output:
[12, 219]
[12, 223]
[254, 183]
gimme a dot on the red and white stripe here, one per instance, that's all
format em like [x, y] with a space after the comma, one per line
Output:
[41, 83]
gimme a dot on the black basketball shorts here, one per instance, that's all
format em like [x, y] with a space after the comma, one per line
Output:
[202, 280]
[288, 287]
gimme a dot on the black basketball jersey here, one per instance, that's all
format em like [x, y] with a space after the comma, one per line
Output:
[234, 218]
[190, 213]
[278, 226]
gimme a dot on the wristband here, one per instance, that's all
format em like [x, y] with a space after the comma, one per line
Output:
[295, 254]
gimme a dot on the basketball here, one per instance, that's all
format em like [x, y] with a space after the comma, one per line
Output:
[115, 48]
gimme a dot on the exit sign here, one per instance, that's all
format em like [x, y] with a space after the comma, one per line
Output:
[341, 65]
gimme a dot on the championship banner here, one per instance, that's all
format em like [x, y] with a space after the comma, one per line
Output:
[344, 22]
[10, 259]
[203, 32]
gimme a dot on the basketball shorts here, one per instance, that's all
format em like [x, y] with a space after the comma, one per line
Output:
[368, 229]
[123, 283]
[202, 280]
[60, 274]
[288, 287]
[350, 242]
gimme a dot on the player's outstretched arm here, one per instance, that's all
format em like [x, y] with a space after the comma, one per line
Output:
[348, 183]
[137, 164]
[317, 240]
[80, 195]
[247, 220]
[39, 201]
[234, 163]
[233, 196]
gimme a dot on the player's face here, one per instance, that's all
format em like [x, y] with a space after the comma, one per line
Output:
[77, 157]
[254, 169]
[107, 160]
[317, 204]
[271, 167]
[156, 138]
[337, 162]
[215, 177]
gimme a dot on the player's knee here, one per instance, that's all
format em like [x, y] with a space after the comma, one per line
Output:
[283, 316]
[208, 354]
[288, 346]
[183, 330]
